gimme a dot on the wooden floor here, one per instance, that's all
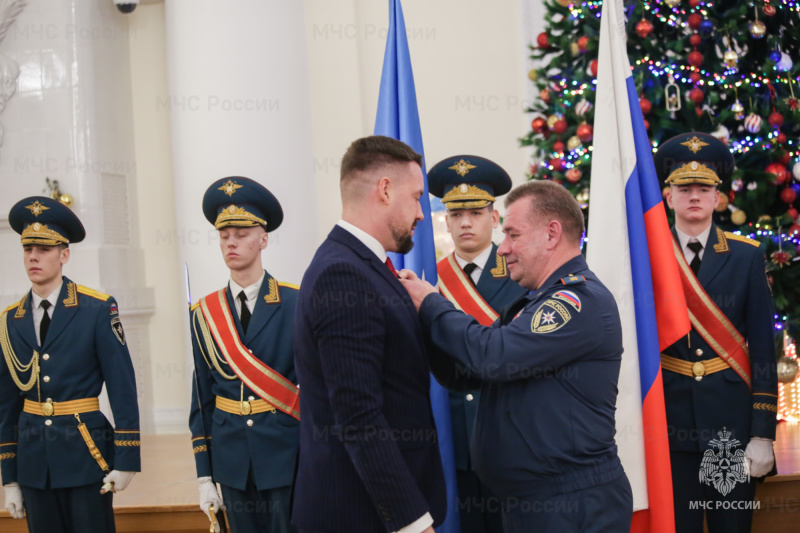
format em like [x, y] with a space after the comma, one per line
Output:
[163, 497]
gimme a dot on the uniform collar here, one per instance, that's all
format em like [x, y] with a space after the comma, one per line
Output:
[573, 266]
[251, 291]
[36, 300]
[479, 261]
[366, 239]
[684, 239]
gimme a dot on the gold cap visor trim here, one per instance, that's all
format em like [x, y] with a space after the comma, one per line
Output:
[237, 216]
[693, 172]
[40, 234]
[467, 197]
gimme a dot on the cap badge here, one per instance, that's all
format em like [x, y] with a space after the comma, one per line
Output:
[230, 187]
[694, 144]
[464, 188]
[36, 208]
[36, 226]
[462, 168]
[231, 209]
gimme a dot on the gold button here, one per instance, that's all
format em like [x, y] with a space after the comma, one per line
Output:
[250, 398]
[699, 370]
[48, 422]
[250, 423]
[470, 397]
[698, 352]
[49, 400]
[46, 379]
[46, 356]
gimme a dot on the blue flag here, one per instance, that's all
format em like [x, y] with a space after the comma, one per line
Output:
[398, 118]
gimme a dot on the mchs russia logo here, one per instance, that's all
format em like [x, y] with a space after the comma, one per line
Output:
[724, 466]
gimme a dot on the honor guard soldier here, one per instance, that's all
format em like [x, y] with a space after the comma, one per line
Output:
[720, 382]
[61, 342]
[476, 279]
[245, 414]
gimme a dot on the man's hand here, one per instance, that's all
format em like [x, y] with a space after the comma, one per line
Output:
[209, 496]
[14, 501]
[416, 288]
[760, 456]
[116, 481]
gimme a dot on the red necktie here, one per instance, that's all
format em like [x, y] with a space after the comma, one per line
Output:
[391, 267]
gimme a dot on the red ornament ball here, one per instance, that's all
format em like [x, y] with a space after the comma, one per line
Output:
[544, 96]
[788, 195]
[560, 126]
[557, 163]
[794, 229]
[646, 106]
[776, 120]
[695, 58]
[593, 67]
[695, 77]
[785, 159]
[643, 28]
[583, 43]
[695, 39]
[696, 95]
[585, 132]
[558, 147]
[646, 124]
[792, 212]
[539, 125]
[574, 175]
[694, 20]
[769, 10]
[778, 172]
[694, 3]
[781, 139]
[542, 40]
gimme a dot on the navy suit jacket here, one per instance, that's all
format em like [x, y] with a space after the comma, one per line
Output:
[732, 274]
[80, 353]
[369, 457]
[224, 445]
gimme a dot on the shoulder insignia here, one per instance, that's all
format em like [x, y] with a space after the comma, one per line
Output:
[116, 327]
[550, 316]
[722, 246]
[72, 296]
[86, 291]
[289, 285]
[18, 304]
[274, 295]
[20, 313]
[194, 306]
[501, 269]
[570, 297]
[742, 238]
[573, 280]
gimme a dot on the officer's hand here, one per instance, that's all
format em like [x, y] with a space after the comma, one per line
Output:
[209, 496]
[14, 501]
[116, 481]
[760, 456]
[416, 288]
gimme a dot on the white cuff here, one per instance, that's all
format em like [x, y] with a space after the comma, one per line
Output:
[419, 525]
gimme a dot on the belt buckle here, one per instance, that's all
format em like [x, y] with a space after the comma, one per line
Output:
[47, 408]
[244, 408]
[699, 370]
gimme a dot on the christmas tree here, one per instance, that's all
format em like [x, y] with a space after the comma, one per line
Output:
[726, 68]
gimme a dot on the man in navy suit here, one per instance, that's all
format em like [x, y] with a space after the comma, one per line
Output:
[476, 279]
[720, 382]
[245, 414]
[369, 459]
[61, 343]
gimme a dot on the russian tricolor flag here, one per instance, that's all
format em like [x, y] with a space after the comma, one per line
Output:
[629, 248]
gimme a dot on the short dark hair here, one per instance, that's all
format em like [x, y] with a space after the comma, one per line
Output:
[373, 152]
[552, 201]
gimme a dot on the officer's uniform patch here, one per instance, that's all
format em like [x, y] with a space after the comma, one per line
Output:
[550, 316]
[570, 297]
[113, 310]
[116, 327]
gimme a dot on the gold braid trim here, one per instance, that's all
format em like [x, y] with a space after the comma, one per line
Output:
[742, 238]
[13, 362]
[274, 294]
[127, 443]
[289, 285]
[199, 449]
[93, 293]
[765, 407]
[9, 455]
[212, 358]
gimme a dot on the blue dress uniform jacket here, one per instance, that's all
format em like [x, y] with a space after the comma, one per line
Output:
[369, 457]
[732, 273]
[226, 445]
[84, 348]
[549, 368]
[498, 290]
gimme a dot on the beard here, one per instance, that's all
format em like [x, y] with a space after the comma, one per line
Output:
[403, 240]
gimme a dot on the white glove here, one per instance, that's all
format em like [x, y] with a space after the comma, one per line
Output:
[14, 501]
[209, 496]
[760, 456]
[116, 481]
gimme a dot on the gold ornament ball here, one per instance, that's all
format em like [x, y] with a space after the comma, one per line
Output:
[565, 3]
[574, 49]
[738, 110]
[573, 143]
[787, 369]
[723, 203]
[65, 199]
[552, 119]
[672, 3]
[739, 217]
[757, 29]
[731, 58]
[533, 75]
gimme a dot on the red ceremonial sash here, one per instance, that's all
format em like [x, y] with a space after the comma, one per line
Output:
[264, 381]
[454, 285]
[711, 323]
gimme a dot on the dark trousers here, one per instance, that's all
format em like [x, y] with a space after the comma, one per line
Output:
[479, 509]
[71, 510]
[602, 509]
[731, 513]
[257, 511]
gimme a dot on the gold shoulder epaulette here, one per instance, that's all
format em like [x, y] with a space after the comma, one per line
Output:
[86, 291]
[289, 285]
[12, 306]
[742, 238]
[194, 306]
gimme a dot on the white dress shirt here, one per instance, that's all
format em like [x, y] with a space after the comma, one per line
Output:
[479, 262]
[250, 292]
[38, 312]
[684, 241]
